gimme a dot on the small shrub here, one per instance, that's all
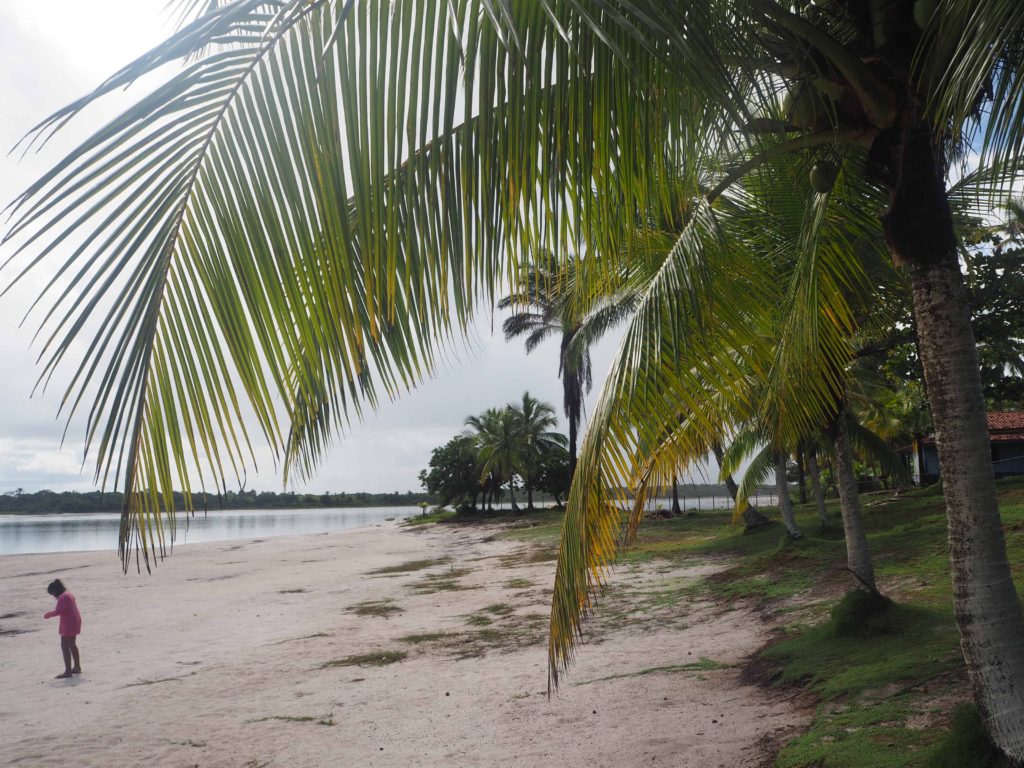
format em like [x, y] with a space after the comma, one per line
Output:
[862, 614]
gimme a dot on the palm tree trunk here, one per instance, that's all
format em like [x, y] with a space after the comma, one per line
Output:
[572, 395]
[858, 555]
[988, 613]
[529, 498]
[919, 444]
[730, 484]
[676, 509]
[573, 427]
[819, 493]
[512, 495]
[802, 476]
[785, 503]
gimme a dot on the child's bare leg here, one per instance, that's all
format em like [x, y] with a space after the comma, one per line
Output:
[65, 649]
[77, 669]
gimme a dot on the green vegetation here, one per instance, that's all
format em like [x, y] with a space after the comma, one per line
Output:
[384, 608]
[514, 445]
[410, 566]
[885, 674]
[424, 637]
[435, 516]
[373, 659]
[443, 581]
[44, 502]
[517, 584]
[703, 664]
[966, 745]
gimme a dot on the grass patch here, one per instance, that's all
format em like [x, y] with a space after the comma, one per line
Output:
[877, 668]
[291, 591]
[381, 608]
[703, 665]
[518, 584]
[902, 644]
[443, 581]
[499, 609]
[436, 516]
[411, 566]
[424, 637]
[967, 745]
[478, 620]
[373, 659]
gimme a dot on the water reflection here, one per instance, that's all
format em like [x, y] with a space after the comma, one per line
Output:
[24, 534]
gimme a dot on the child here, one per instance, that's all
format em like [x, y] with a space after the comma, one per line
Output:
[70, 626]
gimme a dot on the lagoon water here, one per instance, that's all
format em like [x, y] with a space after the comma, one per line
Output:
[25, 534]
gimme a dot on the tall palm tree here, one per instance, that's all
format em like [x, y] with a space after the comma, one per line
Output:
[544, 305]
[327, 189]
[536, 423]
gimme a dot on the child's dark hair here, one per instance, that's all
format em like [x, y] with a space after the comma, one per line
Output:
[56, 588]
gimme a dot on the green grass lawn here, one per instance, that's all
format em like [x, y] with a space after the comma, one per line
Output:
[884, 690]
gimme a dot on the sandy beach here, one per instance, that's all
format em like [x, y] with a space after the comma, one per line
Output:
[267, 654]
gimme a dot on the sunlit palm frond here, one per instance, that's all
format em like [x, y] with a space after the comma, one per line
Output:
[795, 268]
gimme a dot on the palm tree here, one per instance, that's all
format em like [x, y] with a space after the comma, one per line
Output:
[500, 446]
[298, 216]
[544, 305]
[536, 422]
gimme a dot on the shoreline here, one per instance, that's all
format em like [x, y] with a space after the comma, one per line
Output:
[380, 646]
[207, 511]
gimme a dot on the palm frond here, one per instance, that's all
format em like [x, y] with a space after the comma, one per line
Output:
[294, 222]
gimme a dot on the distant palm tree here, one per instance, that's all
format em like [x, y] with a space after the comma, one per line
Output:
[544, 304]
[537, 436]
[500, 445]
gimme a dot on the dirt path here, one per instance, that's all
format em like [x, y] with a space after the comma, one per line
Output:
[240, 655]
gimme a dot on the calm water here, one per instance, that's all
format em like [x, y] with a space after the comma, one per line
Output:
[23, 534]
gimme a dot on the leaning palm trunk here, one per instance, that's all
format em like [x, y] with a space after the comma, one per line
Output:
[785, 503]
[858, 555]
[988, 612]
[730, 483]
[819, 493]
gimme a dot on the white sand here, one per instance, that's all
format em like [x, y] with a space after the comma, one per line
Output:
[200, 663]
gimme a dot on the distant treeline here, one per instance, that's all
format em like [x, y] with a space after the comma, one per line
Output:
[73, 501]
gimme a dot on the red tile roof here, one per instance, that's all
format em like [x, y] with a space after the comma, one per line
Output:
[1003, 427]
[1003, 420]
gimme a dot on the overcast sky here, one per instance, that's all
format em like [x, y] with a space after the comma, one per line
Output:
[52, 51]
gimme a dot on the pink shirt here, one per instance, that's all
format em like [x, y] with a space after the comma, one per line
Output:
[70, 618]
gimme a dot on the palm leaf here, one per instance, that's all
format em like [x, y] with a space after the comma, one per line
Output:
[290, 226]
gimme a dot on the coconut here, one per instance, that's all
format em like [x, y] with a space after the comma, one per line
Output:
[823, 176]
